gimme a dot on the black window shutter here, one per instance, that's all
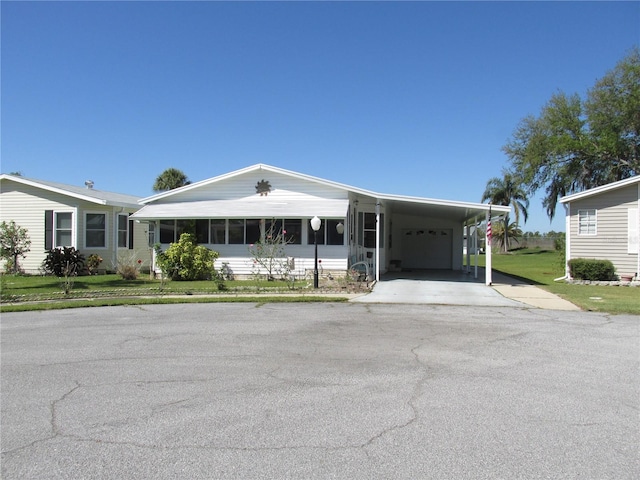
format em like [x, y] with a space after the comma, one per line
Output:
[130, 234]
[48, 229]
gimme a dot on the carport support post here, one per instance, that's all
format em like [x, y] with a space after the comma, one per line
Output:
[377, 241]
[467, 230]
[487, 269]
[475, 246]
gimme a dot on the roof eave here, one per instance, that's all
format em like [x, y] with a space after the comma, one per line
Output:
[49, 188]
[601, 189]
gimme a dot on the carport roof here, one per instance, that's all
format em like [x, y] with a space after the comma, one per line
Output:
[458, 211]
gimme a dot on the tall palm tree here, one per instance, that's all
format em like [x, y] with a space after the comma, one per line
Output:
[507, 191]
[169, 179]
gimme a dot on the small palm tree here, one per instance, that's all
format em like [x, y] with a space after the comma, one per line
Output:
[506, 237]
[507, 191]
[169, 179]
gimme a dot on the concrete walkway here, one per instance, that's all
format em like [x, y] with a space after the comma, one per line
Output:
[460, 288]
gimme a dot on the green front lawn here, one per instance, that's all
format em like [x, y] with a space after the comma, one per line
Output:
[541, 267]
[21, 293]
[536, 266]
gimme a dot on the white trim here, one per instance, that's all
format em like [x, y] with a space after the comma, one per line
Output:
[488, 272]
[589, 222]
[74, 228]
[377, 241]
[633, 232]
[567, 236]
[116, 228]
[601, 189]
[98, 197]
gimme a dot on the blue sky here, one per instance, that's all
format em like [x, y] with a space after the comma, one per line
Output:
[413, 98]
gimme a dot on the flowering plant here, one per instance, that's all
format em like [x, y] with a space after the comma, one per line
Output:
[93, 263]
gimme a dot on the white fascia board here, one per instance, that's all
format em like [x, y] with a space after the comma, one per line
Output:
[49, 188]
[600, 189]
[446, 203]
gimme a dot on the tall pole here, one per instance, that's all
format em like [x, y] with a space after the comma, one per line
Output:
[315, 268]
[377, 241]
[488, 274]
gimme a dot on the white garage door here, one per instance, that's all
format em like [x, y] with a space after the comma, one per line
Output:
[427, 248]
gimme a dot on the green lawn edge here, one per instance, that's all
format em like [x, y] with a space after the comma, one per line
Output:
[133, 301]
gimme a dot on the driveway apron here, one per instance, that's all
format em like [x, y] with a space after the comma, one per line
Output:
[437, 287]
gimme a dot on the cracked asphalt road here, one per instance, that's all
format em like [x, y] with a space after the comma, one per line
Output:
[302, 391]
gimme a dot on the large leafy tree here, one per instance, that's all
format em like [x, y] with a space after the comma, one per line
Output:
[169, 179]
[576, 144]
[507, 191]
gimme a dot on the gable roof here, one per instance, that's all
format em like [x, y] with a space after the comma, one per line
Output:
[91, 195]
[261, 167]
[601, 189]
[442, 208]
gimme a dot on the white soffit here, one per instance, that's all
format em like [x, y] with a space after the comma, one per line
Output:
[252, 207]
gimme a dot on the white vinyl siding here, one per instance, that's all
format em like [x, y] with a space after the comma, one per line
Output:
[587, 222]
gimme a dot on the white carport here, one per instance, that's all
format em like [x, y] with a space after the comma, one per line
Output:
[429, 232]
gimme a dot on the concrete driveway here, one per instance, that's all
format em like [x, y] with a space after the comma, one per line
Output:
[447, 287]
[304, 391]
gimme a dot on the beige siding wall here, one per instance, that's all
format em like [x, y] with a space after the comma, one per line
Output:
[26, 205]
[611, 239]
[282, 187]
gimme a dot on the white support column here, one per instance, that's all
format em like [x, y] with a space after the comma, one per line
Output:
[377, 241]
[468, 231]
[488, 277]
[475, 246]
[567, 238]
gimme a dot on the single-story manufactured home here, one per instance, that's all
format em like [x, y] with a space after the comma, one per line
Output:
[60, 215]
[602, 223]
[230, 212]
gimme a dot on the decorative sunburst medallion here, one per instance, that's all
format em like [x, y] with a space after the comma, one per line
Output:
[263, 187]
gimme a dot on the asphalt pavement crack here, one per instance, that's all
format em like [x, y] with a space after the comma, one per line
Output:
[411, 402]
[53, 423]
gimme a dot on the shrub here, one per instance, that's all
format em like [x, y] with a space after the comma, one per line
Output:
[591, 269]
[268, 254]
[63, 262]
[93, 263]
[186, 260]
[14, 243]
[128, 265]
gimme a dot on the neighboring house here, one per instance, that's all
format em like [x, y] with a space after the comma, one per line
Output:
[88, 219]
[602, 223]
[230, 212]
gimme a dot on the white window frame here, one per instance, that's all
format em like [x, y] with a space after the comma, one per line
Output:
[54, 240]
[117, 229]
[590, 223]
